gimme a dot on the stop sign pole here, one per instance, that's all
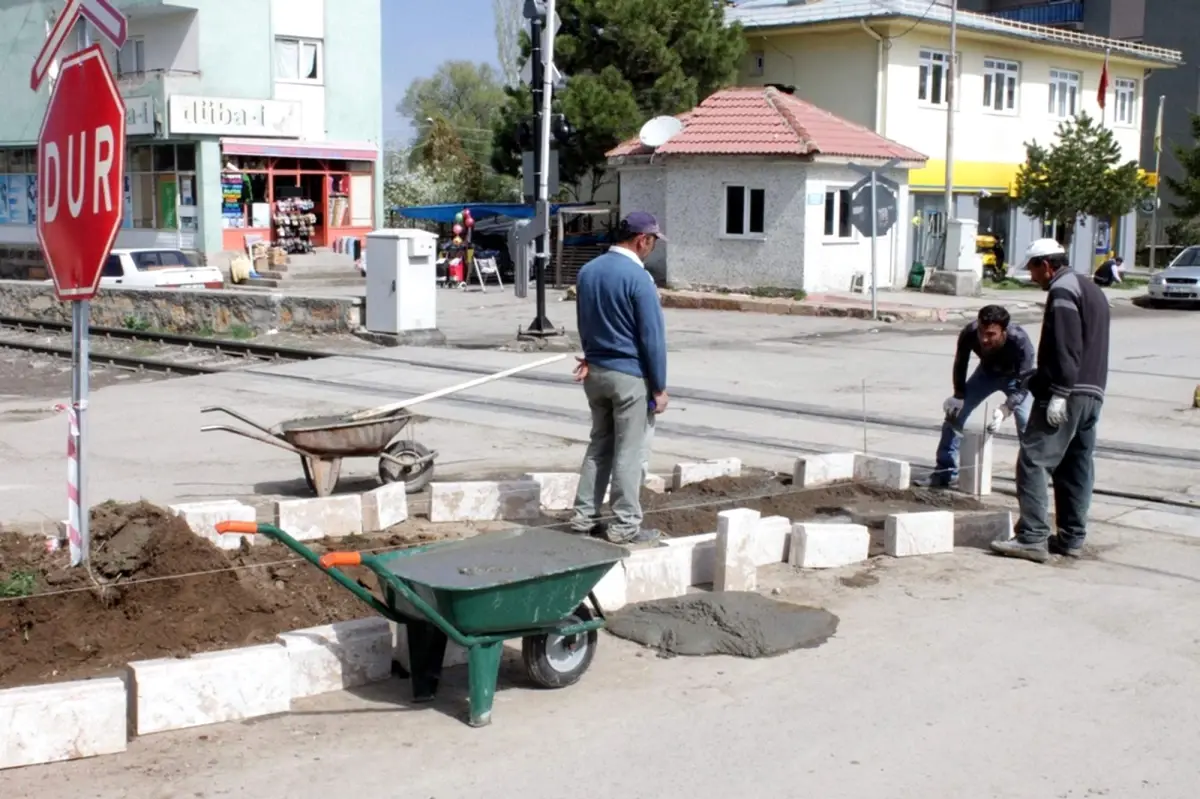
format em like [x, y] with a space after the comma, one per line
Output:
[80, 173]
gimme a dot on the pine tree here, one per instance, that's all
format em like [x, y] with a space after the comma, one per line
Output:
[625, 61]
[1080, 174]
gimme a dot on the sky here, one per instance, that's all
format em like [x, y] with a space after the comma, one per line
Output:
[418, 35]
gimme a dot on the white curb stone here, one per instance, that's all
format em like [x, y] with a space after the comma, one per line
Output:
[688, 473]
[455, 654]
[384, 507]
[703, 549]
[210, 688]
[201, 518]
[612, 589]
[485, 501]
[658, 573]
[337, 656]
[811, 471]
[980, 529]
[975, 469]
[883, 472]
[922, 533]
[828, 546]
[655, 484]
[558, 489]
[62, 721]
[735, 568]
[322, 517]
[771, 540]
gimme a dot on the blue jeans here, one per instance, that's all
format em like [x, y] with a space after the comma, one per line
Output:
[980, 386]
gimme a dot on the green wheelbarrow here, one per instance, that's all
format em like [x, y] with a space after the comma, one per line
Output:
[480, 592]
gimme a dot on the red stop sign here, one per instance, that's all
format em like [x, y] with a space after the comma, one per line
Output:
[81, 164]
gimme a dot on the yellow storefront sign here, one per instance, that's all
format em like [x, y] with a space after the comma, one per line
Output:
[972, 176]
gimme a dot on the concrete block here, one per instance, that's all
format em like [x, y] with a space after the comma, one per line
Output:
[980, 529]
[828, 546]
[202, 517]
[612, 589]
[811, 471]
[735, 568]
[62, 721]
[455, 654]
[923, 533]
[384, 507]
[210, 688]
[658, 573]
[703, 549]
[338, 656]
[688, 473]
[655, 483]
[963, 283]
[485, 501]
[975, 464]
[558, 489]
[771, 540]
[320, 517]
[883, 472]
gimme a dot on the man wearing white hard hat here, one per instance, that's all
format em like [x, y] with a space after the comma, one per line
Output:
[1068, 391]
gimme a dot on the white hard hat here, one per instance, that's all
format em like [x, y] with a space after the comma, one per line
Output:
[1043, 248]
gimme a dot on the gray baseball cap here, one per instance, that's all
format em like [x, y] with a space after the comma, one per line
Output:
[642, 223]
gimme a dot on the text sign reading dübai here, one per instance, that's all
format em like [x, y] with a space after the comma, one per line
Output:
[81, 163]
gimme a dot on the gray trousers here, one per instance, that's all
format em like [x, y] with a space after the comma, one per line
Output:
[619, 450]
[1067, 453]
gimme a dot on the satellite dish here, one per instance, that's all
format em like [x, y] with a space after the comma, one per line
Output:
[658, 131]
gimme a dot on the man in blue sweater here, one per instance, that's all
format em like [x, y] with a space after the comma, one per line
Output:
[624, 374]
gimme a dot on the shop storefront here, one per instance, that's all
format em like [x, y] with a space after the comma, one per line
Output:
[298, 196]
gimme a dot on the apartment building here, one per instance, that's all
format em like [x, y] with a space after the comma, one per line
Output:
[884, 63]
[1166, 23]
[234, 111]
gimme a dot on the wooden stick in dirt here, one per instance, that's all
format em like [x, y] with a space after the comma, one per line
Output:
[441, 392]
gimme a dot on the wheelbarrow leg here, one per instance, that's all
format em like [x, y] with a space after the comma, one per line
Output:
[483, 672]
[426, 651]
[322, 474]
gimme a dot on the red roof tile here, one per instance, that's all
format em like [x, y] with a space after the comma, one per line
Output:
[768, 121]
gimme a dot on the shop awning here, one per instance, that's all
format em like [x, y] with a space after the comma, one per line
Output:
[324, 151]
[446, 213]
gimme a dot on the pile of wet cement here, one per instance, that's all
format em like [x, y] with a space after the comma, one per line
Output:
[736, 623]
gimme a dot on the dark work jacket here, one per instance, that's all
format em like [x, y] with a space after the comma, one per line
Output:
[1015, 360]
[1073, 350]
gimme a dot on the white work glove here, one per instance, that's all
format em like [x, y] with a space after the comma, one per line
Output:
[999, 416]
[1056, 411]
[952, 407]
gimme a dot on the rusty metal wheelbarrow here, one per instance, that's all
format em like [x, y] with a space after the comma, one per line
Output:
[323, 441]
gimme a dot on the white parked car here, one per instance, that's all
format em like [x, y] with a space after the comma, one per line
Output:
[1179, 282]
[157, 269]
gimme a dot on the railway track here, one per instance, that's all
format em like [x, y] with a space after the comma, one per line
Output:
[150, 351]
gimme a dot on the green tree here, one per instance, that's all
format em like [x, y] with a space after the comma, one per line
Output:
[466, 96]
[1185, 230]
[1080, 174]
[625, 62]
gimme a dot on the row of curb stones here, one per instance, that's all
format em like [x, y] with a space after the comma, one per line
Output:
[86, 718]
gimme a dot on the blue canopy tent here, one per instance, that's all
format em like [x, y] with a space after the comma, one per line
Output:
[445, 213]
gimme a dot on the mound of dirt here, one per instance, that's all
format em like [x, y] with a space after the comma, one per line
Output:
[156, 590]
[693, 509]
[737, 623]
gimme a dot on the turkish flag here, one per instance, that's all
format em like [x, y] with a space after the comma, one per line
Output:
[1102, 92]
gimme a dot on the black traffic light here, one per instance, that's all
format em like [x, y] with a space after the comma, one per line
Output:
[561, 129]
[526, 135]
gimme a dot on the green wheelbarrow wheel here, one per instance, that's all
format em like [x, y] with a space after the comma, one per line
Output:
[556, 661]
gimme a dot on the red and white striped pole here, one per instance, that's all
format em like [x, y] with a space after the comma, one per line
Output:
[74, 537]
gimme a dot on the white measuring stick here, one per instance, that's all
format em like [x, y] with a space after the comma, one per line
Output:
[441, 392]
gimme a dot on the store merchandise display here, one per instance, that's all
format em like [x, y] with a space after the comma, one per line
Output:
[295, 223]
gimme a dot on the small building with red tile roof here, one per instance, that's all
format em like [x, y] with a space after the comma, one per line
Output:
[756, 190]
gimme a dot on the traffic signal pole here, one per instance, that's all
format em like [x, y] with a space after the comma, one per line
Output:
[542, 54]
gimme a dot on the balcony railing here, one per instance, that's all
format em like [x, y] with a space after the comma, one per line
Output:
[1045, 13]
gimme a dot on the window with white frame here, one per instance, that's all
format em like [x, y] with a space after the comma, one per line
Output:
[837, 215]
[1064, 93]
[1125, 107]
[1000, 79]
[931, 79]
[745, 211]
[298, 60]
[131, 58]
